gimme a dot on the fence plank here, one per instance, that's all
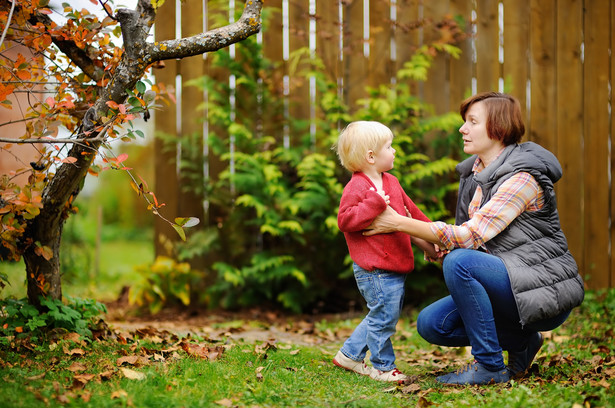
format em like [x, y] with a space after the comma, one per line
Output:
[462, 68]
[299, 95]
[406, 35]
[165, 171]
[191, 201]
[380, 68]
[596, 123]
[437, 87]
[570, 122]
[542, 127]
[273, 50]
[355, 63]
[488, 69]
[516, 45]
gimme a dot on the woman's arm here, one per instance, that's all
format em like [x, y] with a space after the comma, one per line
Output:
[391, 221]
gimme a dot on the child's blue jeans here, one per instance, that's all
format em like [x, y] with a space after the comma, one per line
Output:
[384, 293]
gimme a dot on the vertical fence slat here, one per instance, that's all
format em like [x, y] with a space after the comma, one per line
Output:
[542, 126]
[299, 98]
[570, 122]
[272, 48]
[166, 186]
[191, 202]
[437, 87]
[596, 123]
[380, 69]
[487, 42]
[516, 45]
[354, 59]
[406, 34]
[461, 69]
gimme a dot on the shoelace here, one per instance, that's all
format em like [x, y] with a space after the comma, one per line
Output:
[467, 367]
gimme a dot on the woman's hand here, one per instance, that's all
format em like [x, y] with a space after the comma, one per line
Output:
[387, 221]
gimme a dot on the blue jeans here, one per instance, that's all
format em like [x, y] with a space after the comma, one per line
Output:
[384, 293]
[480, 312]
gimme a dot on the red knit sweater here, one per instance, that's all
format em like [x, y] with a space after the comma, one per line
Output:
[358, 208]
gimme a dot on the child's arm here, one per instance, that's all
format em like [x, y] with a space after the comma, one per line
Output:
[358, 210]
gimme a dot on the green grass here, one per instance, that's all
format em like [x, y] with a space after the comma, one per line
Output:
[116, 262]
[574, 369]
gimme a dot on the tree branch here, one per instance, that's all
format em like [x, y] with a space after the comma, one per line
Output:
[213, 40]
[74, 53]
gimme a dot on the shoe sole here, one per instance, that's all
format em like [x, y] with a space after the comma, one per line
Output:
[347, 369]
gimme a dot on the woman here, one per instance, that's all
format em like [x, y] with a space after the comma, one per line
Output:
[509, 273]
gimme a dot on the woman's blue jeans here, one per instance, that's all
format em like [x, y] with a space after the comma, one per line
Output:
[384, 293]
[480, 312]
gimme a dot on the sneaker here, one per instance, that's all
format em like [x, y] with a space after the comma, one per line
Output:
[349, 364]
[520, 361]
[393, 375]
[475, 374]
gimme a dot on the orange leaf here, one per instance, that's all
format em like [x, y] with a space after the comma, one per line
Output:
[208, 353]
[50, 101]
[19, 329]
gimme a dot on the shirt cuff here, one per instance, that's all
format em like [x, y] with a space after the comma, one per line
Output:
[440, 228]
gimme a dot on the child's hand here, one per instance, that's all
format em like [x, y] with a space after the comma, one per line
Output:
[382, 194]
[437, 255]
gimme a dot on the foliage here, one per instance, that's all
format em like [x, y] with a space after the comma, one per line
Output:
[152, 366]
[21, 319]
[277, 187]
[165, 282]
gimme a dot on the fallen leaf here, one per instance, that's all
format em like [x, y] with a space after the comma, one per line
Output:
[132, 374]
[224, 402]
[118, 394]
[206, 352]
[137, 361]
[36, 377]
[76, 366]
[411, 389]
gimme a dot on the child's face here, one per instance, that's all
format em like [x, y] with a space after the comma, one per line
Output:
[384, 158]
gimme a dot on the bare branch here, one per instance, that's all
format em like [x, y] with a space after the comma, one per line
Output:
[213, 40]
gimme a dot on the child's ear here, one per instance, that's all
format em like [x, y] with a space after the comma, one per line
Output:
[369, 156]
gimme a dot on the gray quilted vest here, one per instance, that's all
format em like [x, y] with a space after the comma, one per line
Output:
[543, 274]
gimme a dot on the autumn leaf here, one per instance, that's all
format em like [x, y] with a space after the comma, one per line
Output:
[44, 251]
[132, 374]
[206, 352]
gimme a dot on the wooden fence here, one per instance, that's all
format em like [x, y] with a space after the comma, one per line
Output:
[556, 56]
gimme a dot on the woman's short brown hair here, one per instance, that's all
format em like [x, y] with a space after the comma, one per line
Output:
[504, 120]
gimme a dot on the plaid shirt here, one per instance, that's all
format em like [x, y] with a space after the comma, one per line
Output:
[519, 193]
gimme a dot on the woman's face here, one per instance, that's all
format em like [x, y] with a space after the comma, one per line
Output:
[475, 137]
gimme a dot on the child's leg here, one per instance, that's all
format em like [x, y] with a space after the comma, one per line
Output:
[384, 294]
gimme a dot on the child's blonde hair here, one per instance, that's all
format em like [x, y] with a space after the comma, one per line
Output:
[357, 139]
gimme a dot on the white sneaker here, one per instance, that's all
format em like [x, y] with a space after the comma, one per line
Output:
[393, 375]
[349, 364]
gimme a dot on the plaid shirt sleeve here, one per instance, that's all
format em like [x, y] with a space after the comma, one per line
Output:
[519, 193]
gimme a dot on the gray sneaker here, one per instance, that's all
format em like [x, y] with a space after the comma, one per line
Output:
[349, 364]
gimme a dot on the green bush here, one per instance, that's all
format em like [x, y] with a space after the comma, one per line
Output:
[274, 237]
[165, 282]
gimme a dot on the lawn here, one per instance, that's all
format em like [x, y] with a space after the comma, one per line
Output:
[151, 366]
